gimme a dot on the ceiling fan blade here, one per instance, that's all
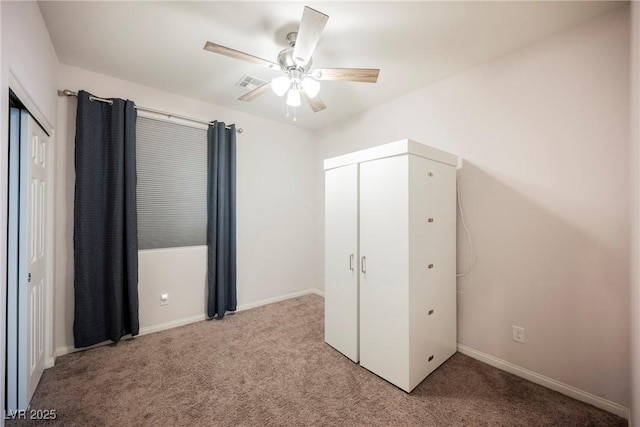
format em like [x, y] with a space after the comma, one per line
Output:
[315, 103]
[311, 27]
[227, 51]
[363, 75]
[250, 96]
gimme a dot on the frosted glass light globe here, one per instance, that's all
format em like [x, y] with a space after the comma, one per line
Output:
[280, 85]
[293, 98]
[311, 87]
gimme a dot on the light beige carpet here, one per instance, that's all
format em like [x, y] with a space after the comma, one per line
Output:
[270, 366]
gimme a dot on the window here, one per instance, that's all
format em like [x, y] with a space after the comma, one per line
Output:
[171, 160]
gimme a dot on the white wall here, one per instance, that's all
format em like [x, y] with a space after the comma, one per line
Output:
[28, 55]
[275, 211]
[635, 213]
[543, 133]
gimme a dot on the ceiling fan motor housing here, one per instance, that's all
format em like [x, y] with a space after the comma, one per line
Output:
[285, 57]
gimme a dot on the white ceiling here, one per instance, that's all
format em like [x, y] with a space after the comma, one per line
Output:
[159, 44]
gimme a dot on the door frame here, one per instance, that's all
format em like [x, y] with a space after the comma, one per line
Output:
[23, 96]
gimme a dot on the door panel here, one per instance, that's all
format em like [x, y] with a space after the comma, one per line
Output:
[384, 245]
[32, 280]
[341, 255]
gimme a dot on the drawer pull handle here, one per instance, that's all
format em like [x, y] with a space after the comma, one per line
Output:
[430, 265]
[430, 312]
[430, 358]
[430, 220]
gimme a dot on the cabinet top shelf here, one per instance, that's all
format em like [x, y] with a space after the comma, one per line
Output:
[404, 146]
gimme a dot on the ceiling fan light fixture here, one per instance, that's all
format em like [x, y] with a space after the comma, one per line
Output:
[295, 62]
[280, 85]
[310, 86]
[293, 98]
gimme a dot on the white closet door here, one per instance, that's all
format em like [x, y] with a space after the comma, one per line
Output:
[33, 260]
[28, 259]
[341, 260]
[384, 260]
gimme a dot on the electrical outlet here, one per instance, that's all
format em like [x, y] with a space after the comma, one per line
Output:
[164, 299]
[518, 333]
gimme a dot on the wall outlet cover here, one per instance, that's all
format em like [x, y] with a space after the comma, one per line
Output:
[518, 334]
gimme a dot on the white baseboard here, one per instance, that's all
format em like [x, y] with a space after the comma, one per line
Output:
[251, 305]
[61, 351]
[49, 362]
[317, 292]
[173, 324]
[547, 382]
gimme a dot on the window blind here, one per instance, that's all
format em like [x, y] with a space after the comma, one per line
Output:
[171, 162]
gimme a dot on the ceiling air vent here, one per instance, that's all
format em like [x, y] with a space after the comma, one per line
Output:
[250, 83]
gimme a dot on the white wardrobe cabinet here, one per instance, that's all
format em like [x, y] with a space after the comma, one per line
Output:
[390, 259]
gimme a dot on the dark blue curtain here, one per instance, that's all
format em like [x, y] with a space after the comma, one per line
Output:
[221, 221]
[105, 239]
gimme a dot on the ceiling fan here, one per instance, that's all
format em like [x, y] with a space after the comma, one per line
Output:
[296, 62]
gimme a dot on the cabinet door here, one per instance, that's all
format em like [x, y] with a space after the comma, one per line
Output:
[384, 246]
[341, 260]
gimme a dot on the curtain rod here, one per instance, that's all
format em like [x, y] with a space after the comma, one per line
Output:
[68, 92]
